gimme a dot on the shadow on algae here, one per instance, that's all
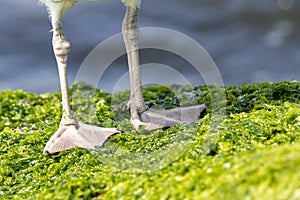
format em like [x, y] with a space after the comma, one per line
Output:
[254, 156]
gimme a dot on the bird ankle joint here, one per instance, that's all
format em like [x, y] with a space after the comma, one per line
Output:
[61, 44]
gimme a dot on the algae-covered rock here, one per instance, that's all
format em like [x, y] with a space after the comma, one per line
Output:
[250, 153]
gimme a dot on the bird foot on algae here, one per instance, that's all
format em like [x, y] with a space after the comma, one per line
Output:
[157, 119]
[82, 135]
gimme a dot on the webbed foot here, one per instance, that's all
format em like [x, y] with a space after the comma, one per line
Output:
[79, 134]
[156, 119]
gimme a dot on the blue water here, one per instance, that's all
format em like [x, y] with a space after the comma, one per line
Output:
[250, 41]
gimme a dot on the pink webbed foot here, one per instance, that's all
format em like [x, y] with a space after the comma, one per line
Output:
[80, 135]
[156, 119]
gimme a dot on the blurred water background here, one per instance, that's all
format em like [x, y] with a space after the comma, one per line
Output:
[250, 41]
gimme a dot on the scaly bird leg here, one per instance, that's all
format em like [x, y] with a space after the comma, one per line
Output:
[70, 132]
[130, 34]
[140, 113]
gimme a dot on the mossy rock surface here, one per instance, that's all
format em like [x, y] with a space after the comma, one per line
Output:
[249, 152]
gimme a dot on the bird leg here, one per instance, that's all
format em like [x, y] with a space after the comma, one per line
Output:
[140, 113]
[130, 34]
[70, 132]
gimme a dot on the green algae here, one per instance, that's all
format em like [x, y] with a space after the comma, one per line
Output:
[254, 156]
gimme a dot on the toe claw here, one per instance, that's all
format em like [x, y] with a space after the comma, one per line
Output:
[120, 130]
[46, 152]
